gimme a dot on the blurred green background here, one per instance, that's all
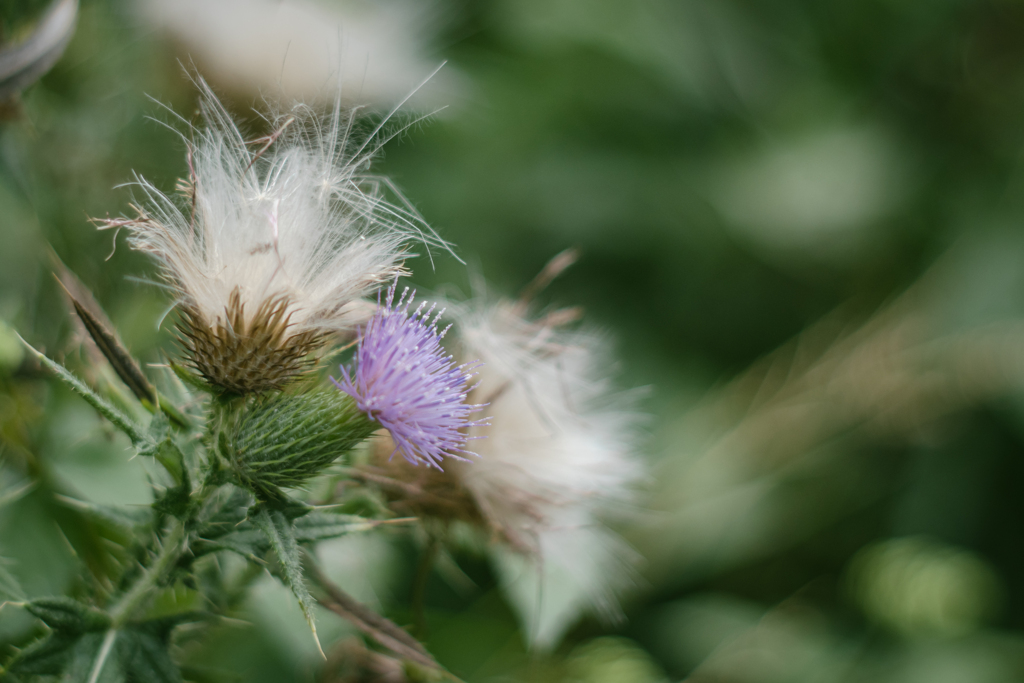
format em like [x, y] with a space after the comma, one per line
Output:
[802, 223]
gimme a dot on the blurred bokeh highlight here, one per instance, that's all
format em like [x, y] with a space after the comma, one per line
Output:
[801, 222]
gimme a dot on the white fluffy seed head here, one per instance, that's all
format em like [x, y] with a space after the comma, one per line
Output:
[293, 217]
[558, 458]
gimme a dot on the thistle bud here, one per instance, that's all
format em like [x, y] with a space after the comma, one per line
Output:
[288, 439]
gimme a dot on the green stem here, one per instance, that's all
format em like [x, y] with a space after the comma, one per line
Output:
[219, 427]
[171, 549]
[174, 545]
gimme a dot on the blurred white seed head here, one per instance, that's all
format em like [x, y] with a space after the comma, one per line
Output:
[296, 48]
[271, 244]
[558, 459]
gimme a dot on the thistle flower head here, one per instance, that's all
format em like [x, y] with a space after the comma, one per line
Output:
[270, 245]
[404, 380]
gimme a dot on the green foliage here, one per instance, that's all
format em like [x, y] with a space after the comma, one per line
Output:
[174, 501]
[102, 406]
[78, 646]
[138, 652]
[248, 539]
[322, 526]
[161, 445]
[285, 440]
[143, 653]
[88, 644]
[280, 534]
[51, 656]
[67, 615]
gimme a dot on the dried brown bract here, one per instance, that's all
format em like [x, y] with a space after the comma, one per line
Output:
[242, 354]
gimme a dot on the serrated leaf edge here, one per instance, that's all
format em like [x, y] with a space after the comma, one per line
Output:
[281, 535]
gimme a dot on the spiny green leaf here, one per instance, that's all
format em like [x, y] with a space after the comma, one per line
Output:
[81, 658]
[230, 506]
[66, 614]
[170, 456]
[49, 656]
[174, 501]
[142, 652]
[177, 500]
[161, 446]
[321, 526]
[102, 406]
[138, 652]
[159, 429]
[249, 541]
[91, 660]
[281, 534]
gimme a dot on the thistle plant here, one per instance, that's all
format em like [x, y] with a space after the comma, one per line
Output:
[281, 253]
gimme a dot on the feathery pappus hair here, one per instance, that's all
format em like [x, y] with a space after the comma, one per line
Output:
[559, 460]
[270, 245]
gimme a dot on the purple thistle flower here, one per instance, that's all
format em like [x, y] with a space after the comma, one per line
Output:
[404, 381]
